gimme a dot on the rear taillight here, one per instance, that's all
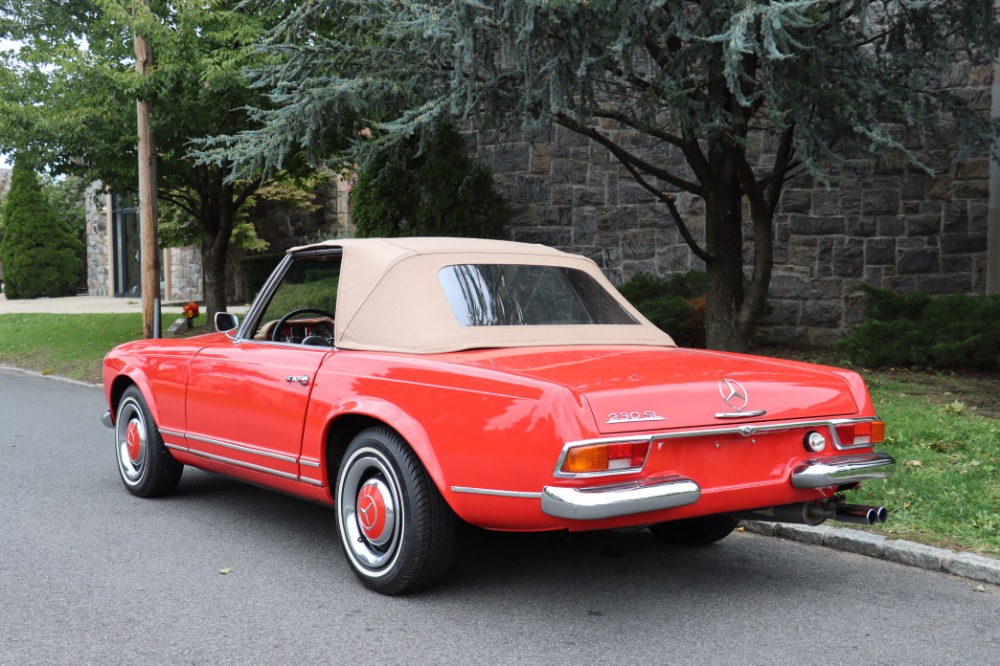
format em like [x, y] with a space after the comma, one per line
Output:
[860, 433]
[595, 458]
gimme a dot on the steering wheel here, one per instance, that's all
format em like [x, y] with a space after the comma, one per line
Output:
[280, 326]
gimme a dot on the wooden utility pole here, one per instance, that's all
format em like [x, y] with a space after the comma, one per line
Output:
[149, 252]
[993, 211]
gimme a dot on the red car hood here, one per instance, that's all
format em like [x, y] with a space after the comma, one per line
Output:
[633, 389]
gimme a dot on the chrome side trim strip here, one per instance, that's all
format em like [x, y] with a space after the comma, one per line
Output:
[179, 447]
[495, 493]
[244, 449]
[314, 482]
[172, 433]
[238, 463]
[833, 471]
[308, 463]
[621, 499]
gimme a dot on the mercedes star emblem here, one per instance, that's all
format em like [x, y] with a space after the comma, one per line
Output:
[733, 393]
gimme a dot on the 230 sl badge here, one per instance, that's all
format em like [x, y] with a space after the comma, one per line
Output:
[633, 417]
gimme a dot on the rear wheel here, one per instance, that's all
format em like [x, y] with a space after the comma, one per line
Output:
[396, 530]
[695, 531]
[145, 465]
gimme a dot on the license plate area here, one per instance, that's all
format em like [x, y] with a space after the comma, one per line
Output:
[717, 461]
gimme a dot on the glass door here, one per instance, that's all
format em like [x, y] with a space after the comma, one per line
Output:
[128, 276]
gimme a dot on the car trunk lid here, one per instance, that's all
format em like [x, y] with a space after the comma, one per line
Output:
[633, 389]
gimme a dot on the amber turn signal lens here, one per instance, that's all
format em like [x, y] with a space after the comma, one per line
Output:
[878, 431]
[605, 457]
[583, 459]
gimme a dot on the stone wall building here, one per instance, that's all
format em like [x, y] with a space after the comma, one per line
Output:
[113, 254]
[885, 223]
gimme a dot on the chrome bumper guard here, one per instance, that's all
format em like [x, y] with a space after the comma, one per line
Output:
[836, 470]
[107, 420]
[620, 499]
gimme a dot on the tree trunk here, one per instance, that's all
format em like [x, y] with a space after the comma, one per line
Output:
[724, 328]
[213, 266]
[214, 248]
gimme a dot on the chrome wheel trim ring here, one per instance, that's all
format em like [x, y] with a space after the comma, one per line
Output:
[131, 423]
[368, 466]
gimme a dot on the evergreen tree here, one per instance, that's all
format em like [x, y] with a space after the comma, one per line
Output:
[823, 82]
[435, 190]
[38, 252]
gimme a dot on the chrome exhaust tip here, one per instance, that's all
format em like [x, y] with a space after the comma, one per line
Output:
[861, 515]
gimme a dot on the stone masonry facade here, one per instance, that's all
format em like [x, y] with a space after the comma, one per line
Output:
[884, 223]
[181, 278]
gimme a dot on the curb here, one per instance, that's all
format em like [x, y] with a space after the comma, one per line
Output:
[967, 565]
[58, 378]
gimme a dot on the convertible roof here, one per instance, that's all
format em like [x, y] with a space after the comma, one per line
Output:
[390, 299]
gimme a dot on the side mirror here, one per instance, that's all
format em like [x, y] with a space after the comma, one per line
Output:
[225, 321]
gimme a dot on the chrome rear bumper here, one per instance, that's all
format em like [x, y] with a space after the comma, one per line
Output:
[624, 499]
[619, 499]
[836, 470]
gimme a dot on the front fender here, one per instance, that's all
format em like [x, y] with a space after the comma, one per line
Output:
[161, 376]
[118, 376]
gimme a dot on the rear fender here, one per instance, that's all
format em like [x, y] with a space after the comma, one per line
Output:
[393, 417]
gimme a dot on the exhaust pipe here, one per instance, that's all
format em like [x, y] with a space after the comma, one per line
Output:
[860, 515]
[813, 513]
[802, 513]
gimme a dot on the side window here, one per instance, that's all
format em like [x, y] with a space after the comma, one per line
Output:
[309, 284]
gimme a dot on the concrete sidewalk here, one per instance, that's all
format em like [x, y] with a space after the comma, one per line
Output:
[89, 305]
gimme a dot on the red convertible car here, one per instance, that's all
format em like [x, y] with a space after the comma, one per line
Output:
[409, 383]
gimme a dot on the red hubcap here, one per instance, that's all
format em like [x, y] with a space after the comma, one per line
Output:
[371, 511]
[133, 441]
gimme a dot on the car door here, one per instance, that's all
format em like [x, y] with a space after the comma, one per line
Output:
[246, 403]
[248, 391]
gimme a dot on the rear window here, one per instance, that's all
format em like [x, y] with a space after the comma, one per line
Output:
[523, 295]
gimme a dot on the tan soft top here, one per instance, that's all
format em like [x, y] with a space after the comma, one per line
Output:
[390, 299]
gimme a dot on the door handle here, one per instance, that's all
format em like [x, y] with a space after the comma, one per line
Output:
[298, 379]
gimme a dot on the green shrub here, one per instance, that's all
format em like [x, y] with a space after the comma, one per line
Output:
[915, 329]
[409, 189]
[39, 253]
[67, 198]
[676, 304]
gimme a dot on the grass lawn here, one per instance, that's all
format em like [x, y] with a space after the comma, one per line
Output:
[946, 488]
[71, 345]
[942, 428]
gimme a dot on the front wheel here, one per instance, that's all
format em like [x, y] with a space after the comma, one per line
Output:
[695, 531]
[146, 467]
[396, 530]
